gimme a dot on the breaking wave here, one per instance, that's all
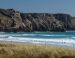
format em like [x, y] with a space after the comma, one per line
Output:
[47, 38]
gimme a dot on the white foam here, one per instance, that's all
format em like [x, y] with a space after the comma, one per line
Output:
[61, 40]
[67, 42]
[10, 37]
[41, 39]
[29, 34]
[3, 36]
[35, 42]
[41, 35]
[73, 37]
[52, 35]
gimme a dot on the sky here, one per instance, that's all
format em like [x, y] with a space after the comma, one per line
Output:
[40, 6]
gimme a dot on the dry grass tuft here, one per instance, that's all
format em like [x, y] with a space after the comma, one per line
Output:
[34, 51]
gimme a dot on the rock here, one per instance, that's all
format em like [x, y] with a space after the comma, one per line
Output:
[73, 23]
[43, 22]
[66, 18]
[15, 21]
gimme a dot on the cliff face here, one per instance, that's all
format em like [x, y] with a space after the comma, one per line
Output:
[73, 23]
[66, 18]
[43, 22]
[14, 21]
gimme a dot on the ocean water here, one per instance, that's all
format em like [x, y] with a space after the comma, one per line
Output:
[47, 38]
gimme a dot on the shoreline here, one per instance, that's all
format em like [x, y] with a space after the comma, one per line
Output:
[28, 43]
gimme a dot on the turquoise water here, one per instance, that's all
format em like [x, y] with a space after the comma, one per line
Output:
[47, 38]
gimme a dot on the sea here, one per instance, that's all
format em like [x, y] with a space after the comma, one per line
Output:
[66, 39]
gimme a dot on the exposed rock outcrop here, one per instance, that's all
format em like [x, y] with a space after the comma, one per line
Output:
[14, 21]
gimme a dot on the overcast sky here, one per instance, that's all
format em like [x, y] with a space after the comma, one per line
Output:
[39, 6]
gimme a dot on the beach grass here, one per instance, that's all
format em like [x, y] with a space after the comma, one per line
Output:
[34, 51]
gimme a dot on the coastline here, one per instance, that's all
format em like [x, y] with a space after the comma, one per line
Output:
[28, 43]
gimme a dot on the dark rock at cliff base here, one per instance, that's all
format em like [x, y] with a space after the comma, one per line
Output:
[15, 21]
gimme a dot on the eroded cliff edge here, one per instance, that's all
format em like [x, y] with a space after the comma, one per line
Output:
[15, 21]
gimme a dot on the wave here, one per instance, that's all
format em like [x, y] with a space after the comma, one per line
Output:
[30, 35]
[73, 37]
[40, 38]
[10, 37]
[53, 35]
[4, 36]
[61, 41]
[41, 35]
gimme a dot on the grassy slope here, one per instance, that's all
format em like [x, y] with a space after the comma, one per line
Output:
[34, 51]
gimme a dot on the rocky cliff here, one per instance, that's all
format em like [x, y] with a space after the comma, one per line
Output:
[15, 21]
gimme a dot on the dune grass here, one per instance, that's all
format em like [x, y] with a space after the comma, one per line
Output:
[34, 51]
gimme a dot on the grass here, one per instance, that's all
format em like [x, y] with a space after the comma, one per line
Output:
[34, 51]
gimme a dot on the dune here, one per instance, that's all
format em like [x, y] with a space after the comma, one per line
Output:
[20, 50]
